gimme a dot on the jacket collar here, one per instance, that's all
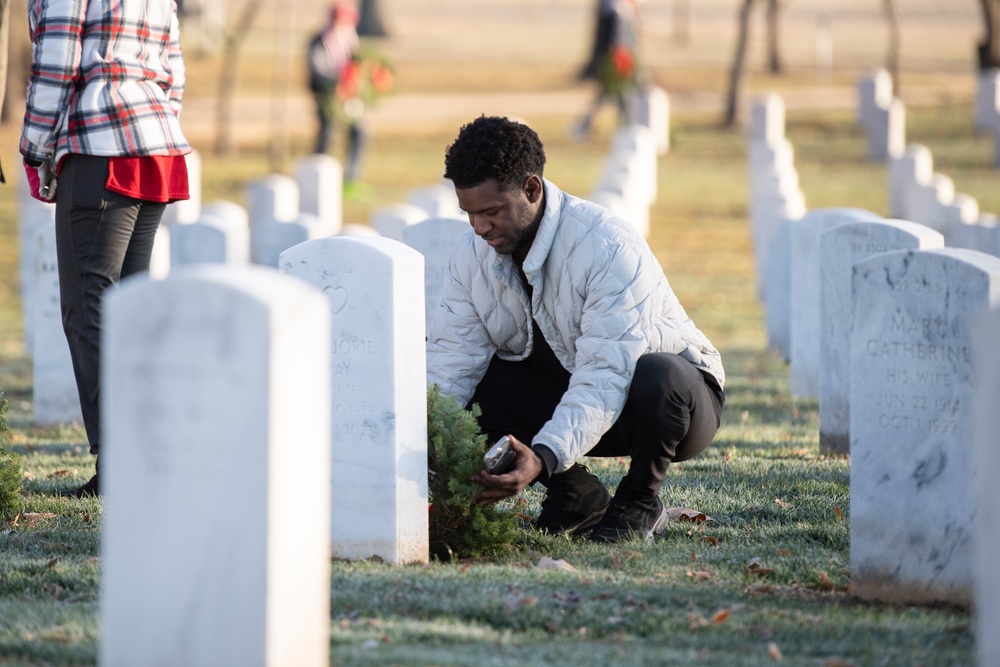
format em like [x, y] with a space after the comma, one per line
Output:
[546, 231]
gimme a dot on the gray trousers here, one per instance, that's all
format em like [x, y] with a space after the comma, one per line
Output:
[101, 237]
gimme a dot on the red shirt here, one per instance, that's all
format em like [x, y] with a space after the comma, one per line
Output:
[158, 178]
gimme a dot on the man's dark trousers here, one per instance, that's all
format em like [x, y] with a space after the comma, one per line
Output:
[672, 412]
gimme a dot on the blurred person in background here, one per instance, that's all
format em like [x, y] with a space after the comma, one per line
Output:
[613, 62]
[102, 139]
[333, 81]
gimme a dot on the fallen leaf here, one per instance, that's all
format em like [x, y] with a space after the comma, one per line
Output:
[710, 540]
[839, 662]
[567, 600]
[720, 616]
[630, 555]
[527, 601]
[546, 563]
[774, 652]
[825, 579]
[754, 567]
[700, 575]
[60, 473]
[781, 503]
[464, 568]
[694, 556]
[696, 621]
[840, 514]
[782, 552]
[27, 475]
[685, 514]
[31, 518]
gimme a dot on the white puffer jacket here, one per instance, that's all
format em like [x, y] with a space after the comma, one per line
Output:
[601, 301]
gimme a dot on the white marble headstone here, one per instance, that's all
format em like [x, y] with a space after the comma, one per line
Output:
[269, 239]
[440, 200]
[218, 237]
[987, 98]
[840, 248]
[32, 214]
[374, 288]
[805, 292]
[986, 538]
[912, 468]
[653, 111]
[215, 467]
[435, 238]
[914, 167]
[390, 221]
[321, 187]
[56, 400]
[928, 201]
[874, 94]
[767, 120]
[188, 210]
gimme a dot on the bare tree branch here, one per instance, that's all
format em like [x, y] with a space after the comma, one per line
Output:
[233, 41]
[738, 70]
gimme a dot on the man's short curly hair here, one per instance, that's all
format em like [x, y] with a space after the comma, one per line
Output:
[492, 147]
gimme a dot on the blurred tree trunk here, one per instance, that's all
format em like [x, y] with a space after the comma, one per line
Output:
[891, 13]
[737, 72]
[18, 54]
[370, 20]
[232, 42]
[989, 48]
[773, 23]
[682, 21]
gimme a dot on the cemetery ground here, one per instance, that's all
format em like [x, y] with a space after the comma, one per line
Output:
[763, 579]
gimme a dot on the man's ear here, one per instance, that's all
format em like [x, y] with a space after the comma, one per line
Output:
[533, 188]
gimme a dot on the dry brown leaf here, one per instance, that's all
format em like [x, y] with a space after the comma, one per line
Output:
[27, 475]
[694, 556]
[754, 567]
[839, 662]
[546, 563]
[700, 575]
[686, 514]
[630, 555]
[528, 601]
[825, 579]
[720, 616]
[774, 652]
[781, 503]
[696, 621]
[60, 473]
[710, 540]
[31, 518]
[840, 514]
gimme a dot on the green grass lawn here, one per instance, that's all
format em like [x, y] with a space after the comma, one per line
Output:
[766, 579]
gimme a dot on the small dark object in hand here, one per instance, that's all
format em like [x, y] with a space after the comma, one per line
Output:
[500, 458]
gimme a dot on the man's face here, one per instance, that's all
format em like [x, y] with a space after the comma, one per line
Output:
[507, 220]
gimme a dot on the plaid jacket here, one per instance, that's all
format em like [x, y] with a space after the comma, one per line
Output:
[106, 79]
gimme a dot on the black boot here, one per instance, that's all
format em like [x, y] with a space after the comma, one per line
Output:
[574, 503]
[91, 488]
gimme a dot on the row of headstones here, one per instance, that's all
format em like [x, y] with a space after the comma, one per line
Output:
[776, 200]
[273, 418]
[283, 212]
[919, 194]
[987, 112]
[883, 116]
[785, 257]
[885, 320]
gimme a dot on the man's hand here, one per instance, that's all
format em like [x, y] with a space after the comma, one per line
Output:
[527, 467]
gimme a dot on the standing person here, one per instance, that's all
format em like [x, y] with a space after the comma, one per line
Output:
[557, 320]
[102, 124]
[615, 66]
[330, 56]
